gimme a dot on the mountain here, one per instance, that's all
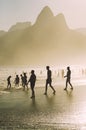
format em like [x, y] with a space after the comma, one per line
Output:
[2, 33]
[45, 15]
[20, 26]
[48, 42]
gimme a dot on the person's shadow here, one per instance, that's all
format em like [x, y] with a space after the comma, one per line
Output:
[33, 105]
[50, 100]
[69, 93]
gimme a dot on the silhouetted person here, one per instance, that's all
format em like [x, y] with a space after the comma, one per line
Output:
[49, 80]
[25, 84]
[68, 75]
[17, 80]
[32, 81]
[22, 80]
[8, 82]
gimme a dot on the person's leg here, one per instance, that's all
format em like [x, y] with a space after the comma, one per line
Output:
[24, 86]
[66, 85]
[52, 88]
[27, 85]
[10, 85]
[70, 84]
[33, 92]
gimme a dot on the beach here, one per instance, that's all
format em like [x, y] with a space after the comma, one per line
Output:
[66, 110]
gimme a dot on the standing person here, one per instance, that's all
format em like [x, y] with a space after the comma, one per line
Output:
[68, 75]
[49, 80]
[8, 82]
[22, 80]
[32, 81]
[17, 80]
[25, 84]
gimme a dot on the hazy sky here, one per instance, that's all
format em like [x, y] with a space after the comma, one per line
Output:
[12, 11]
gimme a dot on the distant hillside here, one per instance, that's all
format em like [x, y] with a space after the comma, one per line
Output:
[81, 30]
[20, 26]
[48, 41]
[2, 33]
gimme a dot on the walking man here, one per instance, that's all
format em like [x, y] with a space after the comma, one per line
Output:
[68, 75]
[49, 80]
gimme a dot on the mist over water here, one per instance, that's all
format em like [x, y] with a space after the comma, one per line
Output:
[78, 73]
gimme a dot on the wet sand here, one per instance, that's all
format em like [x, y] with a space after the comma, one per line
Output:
[66, 110]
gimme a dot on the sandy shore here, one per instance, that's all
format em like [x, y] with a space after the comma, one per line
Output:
[66, 110]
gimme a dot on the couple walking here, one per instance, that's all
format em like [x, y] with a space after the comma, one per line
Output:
[49, 80]
[32, 81]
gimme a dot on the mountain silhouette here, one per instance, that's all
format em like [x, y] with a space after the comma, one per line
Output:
[45, 15]
[2, 33]
[20, 26]
[48, 41]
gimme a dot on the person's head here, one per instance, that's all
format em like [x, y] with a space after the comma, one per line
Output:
[24, 74]
[10, 76]
[68, 68]
[32, 71]
[47, 67]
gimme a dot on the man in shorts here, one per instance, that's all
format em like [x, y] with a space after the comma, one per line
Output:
[49, 80]
[68, 75]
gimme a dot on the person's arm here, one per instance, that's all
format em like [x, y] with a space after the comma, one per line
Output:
[65, 76]
[30, 79]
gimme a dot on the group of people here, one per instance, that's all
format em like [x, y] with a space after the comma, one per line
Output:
[32, 81]
[24, 81]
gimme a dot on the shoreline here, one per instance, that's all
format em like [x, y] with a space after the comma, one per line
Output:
[65, 110]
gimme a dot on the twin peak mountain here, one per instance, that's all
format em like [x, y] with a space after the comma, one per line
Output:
[48, 39]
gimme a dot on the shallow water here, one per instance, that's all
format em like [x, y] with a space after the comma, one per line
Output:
[78, 77]
[64, 111]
